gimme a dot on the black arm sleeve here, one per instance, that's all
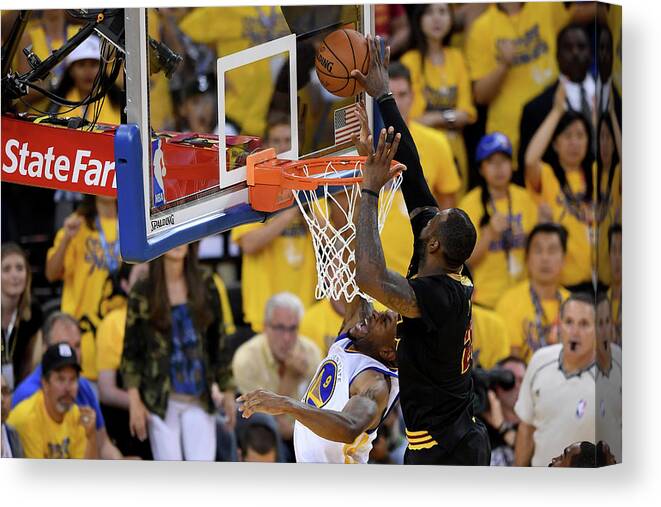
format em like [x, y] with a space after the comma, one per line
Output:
[414, 187]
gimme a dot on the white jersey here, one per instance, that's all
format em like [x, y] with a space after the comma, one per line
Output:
[609, 404]
[329, 390]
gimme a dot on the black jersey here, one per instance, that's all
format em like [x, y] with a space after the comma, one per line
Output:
[434, 353]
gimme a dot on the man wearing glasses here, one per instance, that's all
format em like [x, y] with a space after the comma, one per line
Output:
[279, 359]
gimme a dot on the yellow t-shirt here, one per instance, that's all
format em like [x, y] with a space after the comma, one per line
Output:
[491, 343]
[442, 177]
[286, 264]
[517, 310]
[110, 340]
[322, 324]
[109, 113]
[436, 88]
[613, 214]
[439, 87]
[87, 286]
[497, 271]
[581, 237]
[534, 30]
[41, 437]
[232, 29]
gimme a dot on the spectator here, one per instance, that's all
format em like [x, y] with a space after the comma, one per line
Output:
[503, 213]
[233, 29]
[63, 328]
[501, 420]
[258, 439]
[608, 381]
[278, 256]
[278, 132]
[322, 322]
[84, 255]
[438, 165]
[574, 58]
[491, 341]
[196, 105]
[609, 185]
[45, 35]
[280, 359]
[392, 24]
[565, 185]
[109, 345]
[21, 315]
[556, 401]
[530, 308]
[11, 443]
[49, 423]
[175, 363]
[511, 56]
[439, 76]
[615, 291]
[577, 455]
[608, 95]
[82, 67]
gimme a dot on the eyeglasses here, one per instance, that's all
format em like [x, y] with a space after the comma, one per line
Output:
[281, 328]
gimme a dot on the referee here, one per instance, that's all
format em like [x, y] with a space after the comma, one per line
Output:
[435, 349]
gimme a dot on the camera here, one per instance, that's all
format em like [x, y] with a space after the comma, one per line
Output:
[485, 380]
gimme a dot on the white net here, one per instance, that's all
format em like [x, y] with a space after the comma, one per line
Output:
[329, 212]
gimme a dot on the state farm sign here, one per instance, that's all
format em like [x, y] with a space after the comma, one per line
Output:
[53, 157]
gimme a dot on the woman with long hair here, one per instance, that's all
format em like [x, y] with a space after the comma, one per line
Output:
[504, 214]
[85, 255]
[21, 315]
[566, 185]
[439, 77]
[175, 363]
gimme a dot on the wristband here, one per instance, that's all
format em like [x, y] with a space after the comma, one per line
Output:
[383, 97]
[370, 192]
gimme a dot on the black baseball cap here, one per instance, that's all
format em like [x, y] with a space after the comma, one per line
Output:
[58, 356]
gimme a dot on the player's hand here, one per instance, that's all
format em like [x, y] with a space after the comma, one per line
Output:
[261, 400]
[361, 141]
[379, 169]
[88, 420]
[498, 224]
[138, 417]
[506, 52]
[376, 80]
[72, 225]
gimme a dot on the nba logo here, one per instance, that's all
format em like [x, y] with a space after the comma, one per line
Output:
[158, 173]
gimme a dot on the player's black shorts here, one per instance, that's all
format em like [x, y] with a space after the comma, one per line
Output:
[473, 449]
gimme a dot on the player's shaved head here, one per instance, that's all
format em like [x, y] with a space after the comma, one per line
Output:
[457, 235]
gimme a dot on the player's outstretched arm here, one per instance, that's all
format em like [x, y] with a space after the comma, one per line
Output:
[369, 399]
[372, 275]
[414, 187]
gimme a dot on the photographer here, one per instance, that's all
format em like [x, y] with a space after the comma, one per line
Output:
[496, 392]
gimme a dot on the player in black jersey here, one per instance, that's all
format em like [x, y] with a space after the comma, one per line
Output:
[435, 349]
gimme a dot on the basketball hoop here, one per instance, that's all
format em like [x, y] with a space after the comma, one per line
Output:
[320, 186]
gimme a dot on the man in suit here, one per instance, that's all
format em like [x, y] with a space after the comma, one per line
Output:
[574, 57]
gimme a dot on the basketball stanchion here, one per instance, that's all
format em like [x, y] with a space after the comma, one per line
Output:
[319, 186]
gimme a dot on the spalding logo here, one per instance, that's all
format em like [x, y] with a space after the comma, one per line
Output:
[326, 64]
[322, 387]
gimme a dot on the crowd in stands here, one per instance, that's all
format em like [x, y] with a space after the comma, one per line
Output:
[516, 112]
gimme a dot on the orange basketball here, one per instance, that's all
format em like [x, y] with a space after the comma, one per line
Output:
[341, 52]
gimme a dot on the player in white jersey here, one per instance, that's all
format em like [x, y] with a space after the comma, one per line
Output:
[352, 392]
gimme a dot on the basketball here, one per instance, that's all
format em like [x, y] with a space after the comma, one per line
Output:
[341, 52]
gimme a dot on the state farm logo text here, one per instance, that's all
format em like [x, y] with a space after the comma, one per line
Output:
[83, 169]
